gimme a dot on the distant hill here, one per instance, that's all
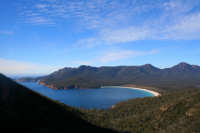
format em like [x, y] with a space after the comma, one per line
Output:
[180, 76]
[24, 110]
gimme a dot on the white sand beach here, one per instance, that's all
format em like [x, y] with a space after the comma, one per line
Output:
[134, 88]
[150, 91]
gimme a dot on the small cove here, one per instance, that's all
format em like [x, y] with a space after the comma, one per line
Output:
[102, 98]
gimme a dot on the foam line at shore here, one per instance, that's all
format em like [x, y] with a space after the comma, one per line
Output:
[150, 91]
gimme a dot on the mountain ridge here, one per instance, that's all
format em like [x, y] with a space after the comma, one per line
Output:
[182, 75]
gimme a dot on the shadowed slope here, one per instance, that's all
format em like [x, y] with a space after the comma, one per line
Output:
[24, 109]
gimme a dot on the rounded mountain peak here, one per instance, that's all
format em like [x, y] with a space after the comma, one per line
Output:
[149, 66]
[182, 65]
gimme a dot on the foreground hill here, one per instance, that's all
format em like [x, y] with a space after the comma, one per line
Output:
[177, 112]
[24, 110]
[180, 76]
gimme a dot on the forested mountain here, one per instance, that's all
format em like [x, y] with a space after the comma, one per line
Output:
[24, 110]
[180, 76]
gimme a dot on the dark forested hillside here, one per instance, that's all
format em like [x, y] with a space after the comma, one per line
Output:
[177, 112]
[24, 110]
[180, 76]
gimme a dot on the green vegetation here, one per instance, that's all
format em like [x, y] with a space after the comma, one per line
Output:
[177, 112]
[180, 76]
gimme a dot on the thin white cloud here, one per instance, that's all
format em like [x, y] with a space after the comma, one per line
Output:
[114, 56]
[89, 42]
[13, 67]
[179, 6]
[129, 34]
[93, 14]
[115, 36]
[6, 32]
[124, 54]
[187, 28]
[39, 21]
[41, 6]
[126, 21]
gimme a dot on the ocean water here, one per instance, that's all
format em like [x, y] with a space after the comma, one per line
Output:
[101, 98]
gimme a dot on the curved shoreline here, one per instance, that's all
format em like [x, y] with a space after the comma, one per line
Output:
[156, 94]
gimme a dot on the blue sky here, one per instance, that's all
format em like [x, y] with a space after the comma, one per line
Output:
[41, 36]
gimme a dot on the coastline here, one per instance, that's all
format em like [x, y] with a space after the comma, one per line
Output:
[156, 94]
[49, 86]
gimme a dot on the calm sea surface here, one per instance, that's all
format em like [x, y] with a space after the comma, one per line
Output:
[101, 98]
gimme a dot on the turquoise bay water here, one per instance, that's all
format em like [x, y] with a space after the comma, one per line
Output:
[101, 98]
